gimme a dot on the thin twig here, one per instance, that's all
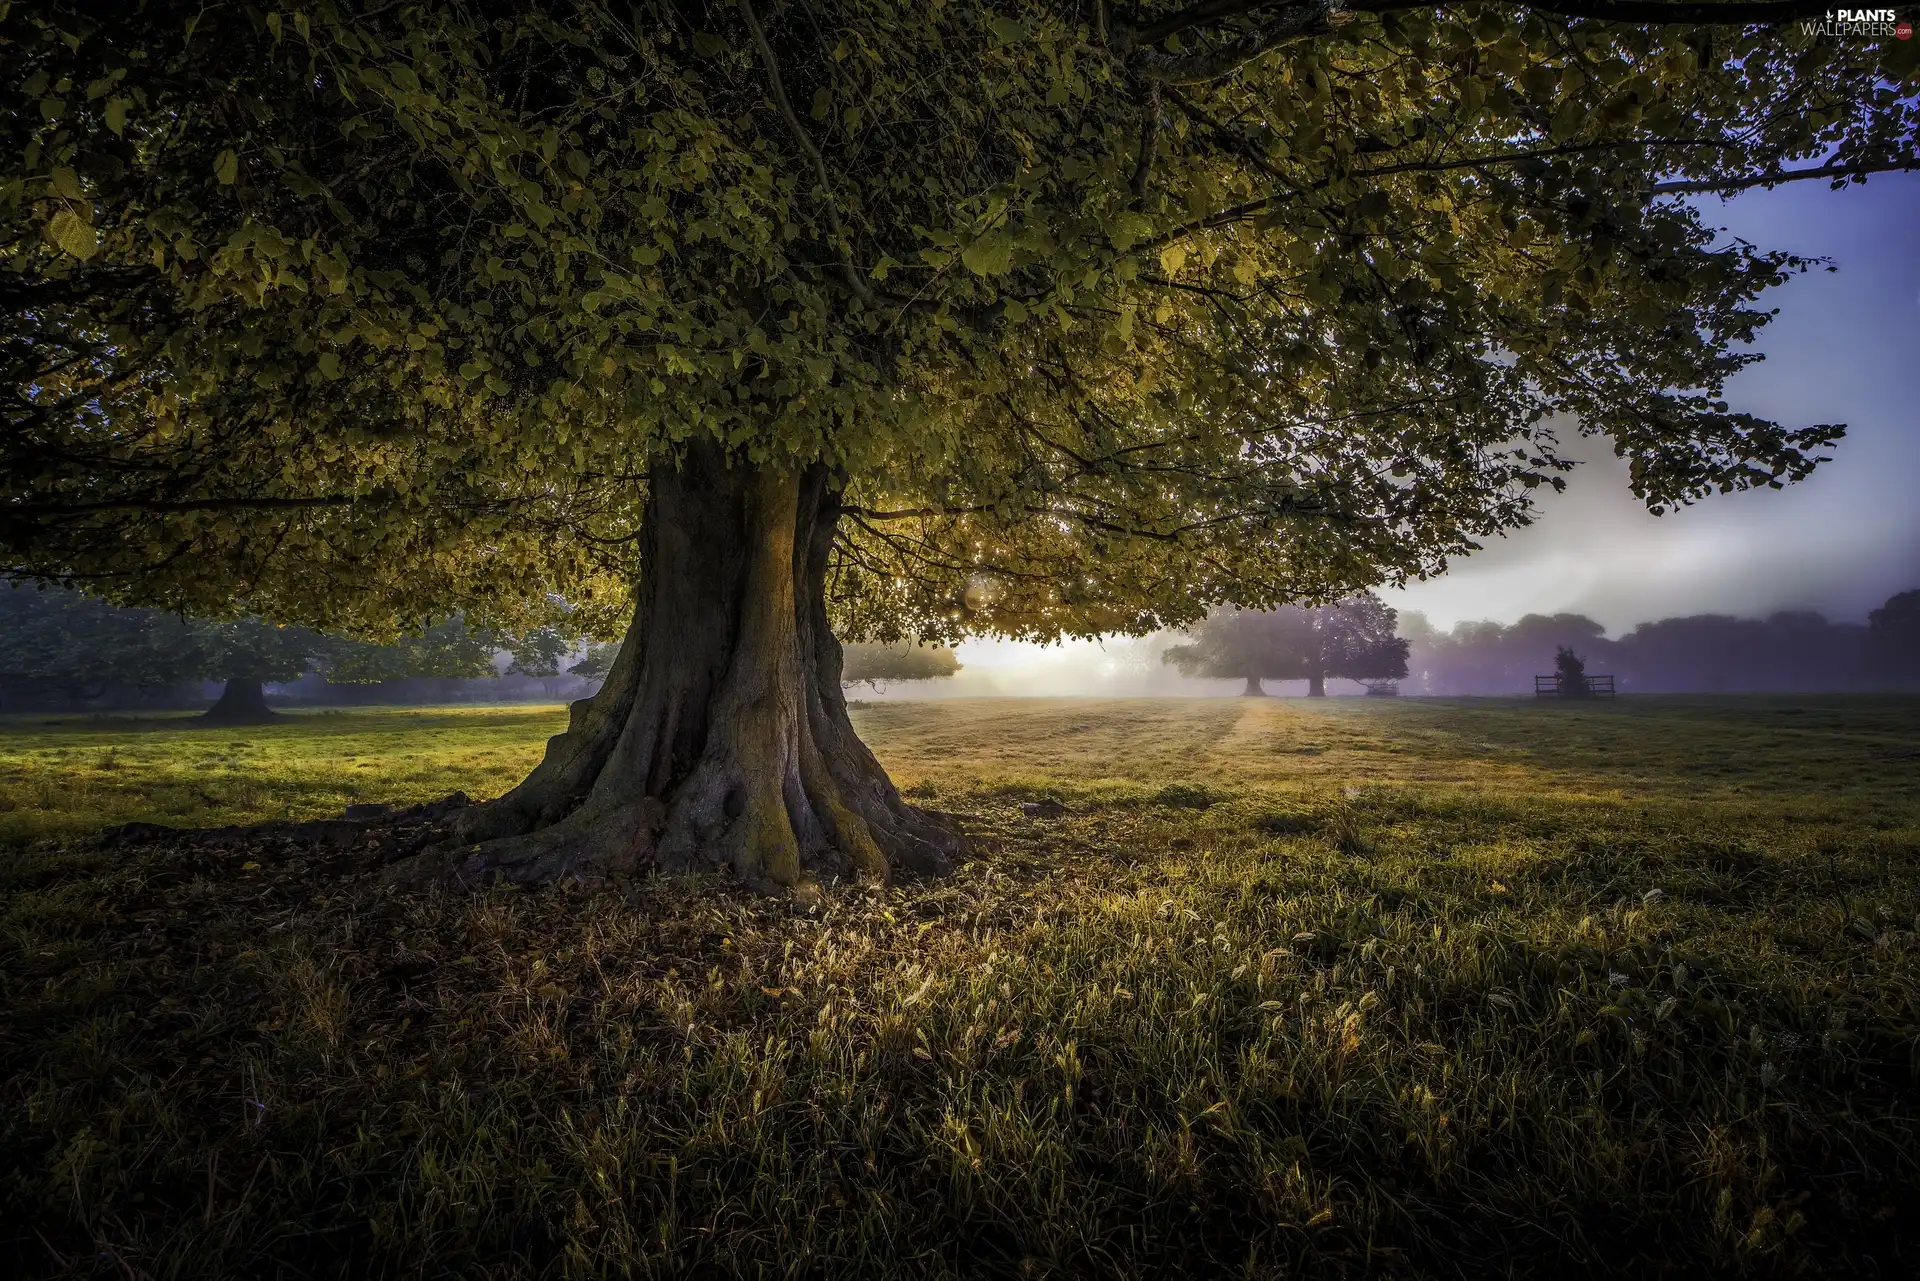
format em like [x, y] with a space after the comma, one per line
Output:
[1149, 138]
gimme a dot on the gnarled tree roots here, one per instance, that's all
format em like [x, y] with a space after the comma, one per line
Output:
[720, 740]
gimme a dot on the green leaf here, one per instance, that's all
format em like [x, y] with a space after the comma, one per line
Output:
[116, 114]
[1566, 121]
[226, 168]
[1173, 258]
[1128, 230]
[329, 364]
[67, 183]
[991, 255]
[72, 234]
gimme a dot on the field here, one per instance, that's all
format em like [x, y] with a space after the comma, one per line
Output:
[1379, 987]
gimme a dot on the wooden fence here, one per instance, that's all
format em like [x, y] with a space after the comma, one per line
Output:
[1596, 687]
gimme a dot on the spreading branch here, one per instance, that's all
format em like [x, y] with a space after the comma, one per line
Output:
[1149, 138]
[855, 281]
[1289, 23]
[1126, 37]
[1279, 22]
[177, 507]
[1774, 177]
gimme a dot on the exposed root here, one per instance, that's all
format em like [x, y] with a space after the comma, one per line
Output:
[587, 848]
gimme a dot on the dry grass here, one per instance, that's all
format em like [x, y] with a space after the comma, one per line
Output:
[1405, 989]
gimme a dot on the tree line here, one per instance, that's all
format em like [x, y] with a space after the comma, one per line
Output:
[1361, 639]
[62, 650]
[1796, 650]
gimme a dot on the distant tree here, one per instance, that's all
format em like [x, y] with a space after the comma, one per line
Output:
[80, 647]
[1353, 638]
[1483, 657]
[1893, 639]
[248, 654]
[1572, 671]
[1790, 650]
[871, 662]
[540, 651]
[1235, 644]
[1356, 641]
[84, 647]
[597, 661]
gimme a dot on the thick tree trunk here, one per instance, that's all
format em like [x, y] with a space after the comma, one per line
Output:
[1253, 689]
[720, 739]
[1316, 686]
[241, 702]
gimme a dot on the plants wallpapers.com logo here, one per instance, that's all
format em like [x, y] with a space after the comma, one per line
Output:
[1857, 24]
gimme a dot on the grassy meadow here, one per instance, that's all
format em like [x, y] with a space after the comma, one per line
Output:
[1360, 987]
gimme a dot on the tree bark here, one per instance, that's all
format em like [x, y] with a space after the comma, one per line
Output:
[720, 740]
[241, 702]
[1253, 689]
[1316, 686]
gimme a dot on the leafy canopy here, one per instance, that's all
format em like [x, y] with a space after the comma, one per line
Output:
[1570, 667]
[353, 315]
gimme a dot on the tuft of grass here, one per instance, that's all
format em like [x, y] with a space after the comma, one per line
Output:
[1188, 796]
[1562, 1002]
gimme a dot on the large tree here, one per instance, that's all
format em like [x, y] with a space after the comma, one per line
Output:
[1352, 638]
[772, 320]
